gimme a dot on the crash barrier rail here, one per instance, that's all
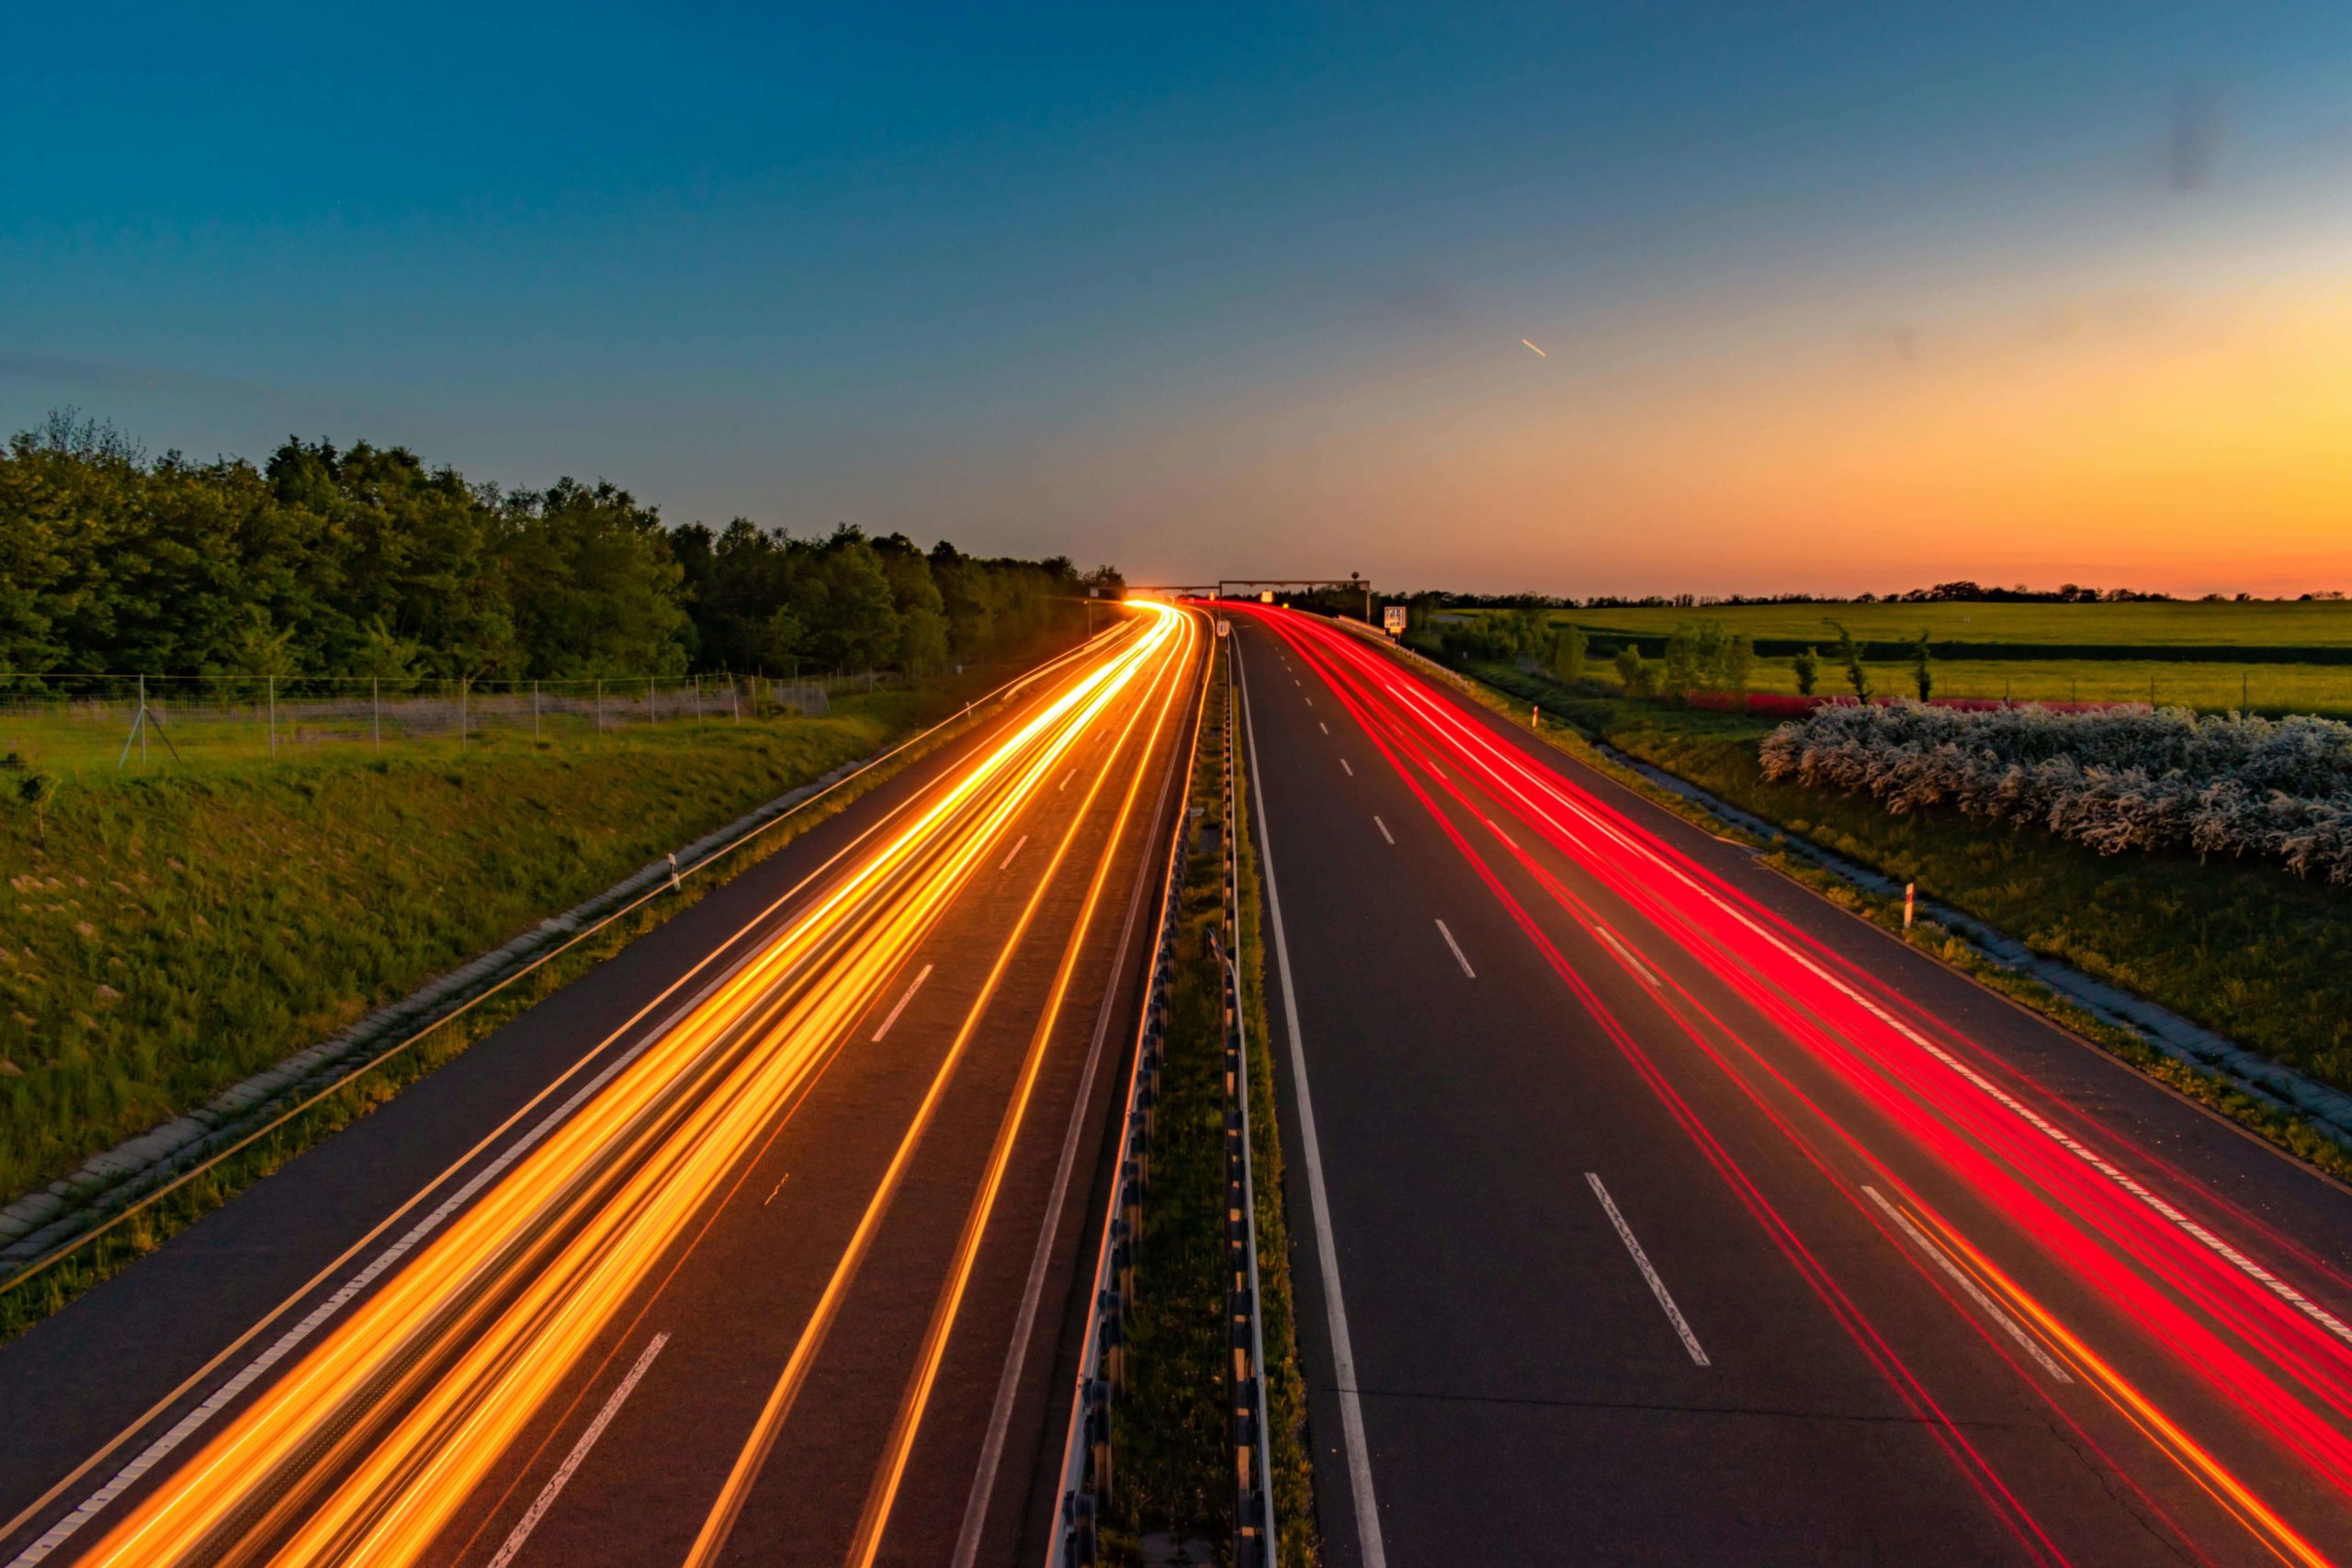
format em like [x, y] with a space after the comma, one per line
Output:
[1088, 1469]
[1253, 1498]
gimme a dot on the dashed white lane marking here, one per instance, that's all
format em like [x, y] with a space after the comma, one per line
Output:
[1344, 762]
[2009, 1326]
[1384, 830]
[1323, 726]
[2170, 1212]
[1445, 932]
[529, 1521]
[1006, 864]
[903, 1000]
[1642, 1262]
[1626, 954]
[1065, 778]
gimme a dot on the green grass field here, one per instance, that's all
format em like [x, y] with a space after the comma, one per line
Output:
[89, 737]
[2061, 652]
[167, 936]
[2263, 688]
[2319, 624]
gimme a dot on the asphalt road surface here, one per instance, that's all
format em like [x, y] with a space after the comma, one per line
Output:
[755, 1245]
[1648, 1209]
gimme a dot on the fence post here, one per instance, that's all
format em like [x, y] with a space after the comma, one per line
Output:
[534, 710]
[697, 699]
[734, 708]
[600, 704]
[465, 684]
[141, 722]
[272, 715]
[649, 699]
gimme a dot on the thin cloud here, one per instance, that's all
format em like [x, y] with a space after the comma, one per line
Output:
[2196, 139]
[1896, 344]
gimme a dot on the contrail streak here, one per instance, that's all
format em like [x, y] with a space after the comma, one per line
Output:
[1539, 352]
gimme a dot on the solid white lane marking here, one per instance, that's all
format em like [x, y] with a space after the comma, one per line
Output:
[1369, 1544]
[903, 1004]
[1344, 762]
[1958, 1276]
[1445, 932]
[1006, 864]
[1384, 828]
[1626, 954]
[529, 1521]
[1642, 1262]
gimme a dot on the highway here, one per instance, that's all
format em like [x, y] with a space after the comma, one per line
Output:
[755, 1245]
[1647, 1208]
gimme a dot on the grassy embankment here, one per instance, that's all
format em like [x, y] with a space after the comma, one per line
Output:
[1174, 1470]
[2112, 652]
[168, 936]
[2240, 946]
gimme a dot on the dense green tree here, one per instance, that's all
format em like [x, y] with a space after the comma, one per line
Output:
[595, 589]
[364, 561]
[1807, 669]
[1568, 650]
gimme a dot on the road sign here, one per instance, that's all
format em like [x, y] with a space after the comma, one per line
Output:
[1224, 627]
[1392, 619]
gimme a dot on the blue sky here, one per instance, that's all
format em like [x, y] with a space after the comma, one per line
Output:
[1191, 289]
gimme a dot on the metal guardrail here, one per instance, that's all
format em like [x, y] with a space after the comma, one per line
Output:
[1253, 1475]
[1087, 1471]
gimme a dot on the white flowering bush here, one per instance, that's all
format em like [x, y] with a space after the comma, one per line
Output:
[2123, 779]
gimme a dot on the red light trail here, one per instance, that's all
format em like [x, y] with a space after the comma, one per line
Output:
[2174, 1269]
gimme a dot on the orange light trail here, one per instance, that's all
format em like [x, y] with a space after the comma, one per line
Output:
[364, 1450]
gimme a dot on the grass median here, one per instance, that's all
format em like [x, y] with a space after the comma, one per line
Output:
[1171, 1432]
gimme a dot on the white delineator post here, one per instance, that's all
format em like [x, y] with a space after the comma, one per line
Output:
[1910, 895]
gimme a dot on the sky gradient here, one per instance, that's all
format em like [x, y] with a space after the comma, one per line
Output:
[1830, 299]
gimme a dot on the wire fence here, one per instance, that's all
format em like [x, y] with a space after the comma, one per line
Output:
[107, 723]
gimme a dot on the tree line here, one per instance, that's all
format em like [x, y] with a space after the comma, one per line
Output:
[364, 561]
[1699, 656]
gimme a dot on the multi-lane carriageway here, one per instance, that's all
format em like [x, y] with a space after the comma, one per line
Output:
[1646, 1209]
[1651, 1210]
[755, 1245]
